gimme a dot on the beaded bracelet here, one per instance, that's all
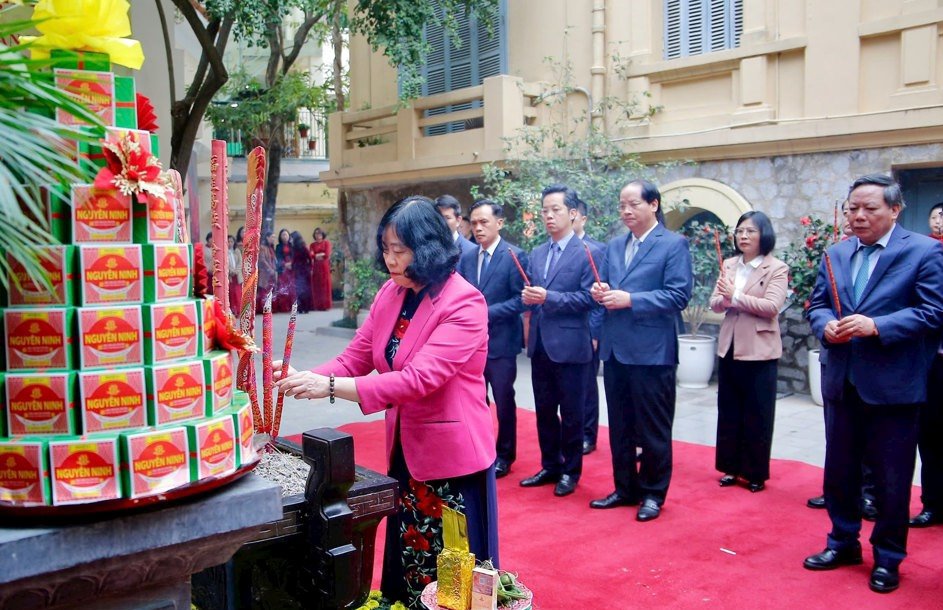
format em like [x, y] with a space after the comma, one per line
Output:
[331, 388]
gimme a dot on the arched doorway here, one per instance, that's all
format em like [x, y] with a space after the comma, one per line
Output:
[701, 200]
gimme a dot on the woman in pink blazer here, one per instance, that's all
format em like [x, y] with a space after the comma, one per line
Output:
[751, 291]
[427, 337]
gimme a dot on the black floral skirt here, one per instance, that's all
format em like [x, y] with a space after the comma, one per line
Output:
[414, 532]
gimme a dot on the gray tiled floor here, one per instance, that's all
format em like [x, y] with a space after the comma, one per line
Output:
[799, 429]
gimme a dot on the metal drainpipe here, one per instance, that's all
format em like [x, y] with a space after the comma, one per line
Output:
[598, 69]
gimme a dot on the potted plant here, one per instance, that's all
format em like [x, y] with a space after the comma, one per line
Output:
[696, 351]
[803, 257]
[312, 144]
[303, 130]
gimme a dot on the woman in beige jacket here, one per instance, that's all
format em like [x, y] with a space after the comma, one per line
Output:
[750, 292]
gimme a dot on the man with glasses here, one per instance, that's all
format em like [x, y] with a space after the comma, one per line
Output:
[558, 342]
[889, 282]
[646, 283]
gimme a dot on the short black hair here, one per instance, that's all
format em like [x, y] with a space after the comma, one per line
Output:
[582, 208]
[936, 206]
[496, 208]
[209, 235]
[649, 194]
[447, 202]
[892, 192]
[765, 227]
[420, 226]
[570, 197]
[318, 230]
[279, 238]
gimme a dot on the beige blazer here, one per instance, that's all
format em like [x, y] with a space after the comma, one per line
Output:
[753, 324]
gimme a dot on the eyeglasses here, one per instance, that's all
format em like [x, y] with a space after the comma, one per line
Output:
[742, 232]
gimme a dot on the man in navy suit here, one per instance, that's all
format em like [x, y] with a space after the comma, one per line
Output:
[491, 268]
[451, 211]
[591, 414]
[559, 342]
[646, 284]
[890, 296]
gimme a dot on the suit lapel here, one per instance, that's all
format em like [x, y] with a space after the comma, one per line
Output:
[386, 320]
[644, 248]
[487, 273]
[756, 275]
[565, 257]
[894, 247]
[416, 325]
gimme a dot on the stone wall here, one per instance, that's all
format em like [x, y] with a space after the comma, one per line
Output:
[784, 187]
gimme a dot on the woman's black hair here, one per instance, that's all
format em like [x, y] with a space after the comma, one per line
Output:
[765, 227]
[279, 238]
[422, 229]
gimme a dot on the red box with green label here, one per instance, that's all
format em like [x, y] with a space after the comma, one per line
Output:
[40, 338]
[58, 263]
[24, 473]
[112, 400]
[212, 447]
[111, 336]
[96, 90]
[84, 470]
[219, 381]
[155, 219]
[111, 274]
[245, 432]
[205, 309]
[167, 272]
[155, 461]
[41, 403]
[100, 215]
[171, 331]
[175, 392]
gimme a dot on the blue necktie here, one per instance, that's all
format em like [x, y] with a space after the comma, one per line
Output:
[554, 257]
[485, 258]
[861, 278]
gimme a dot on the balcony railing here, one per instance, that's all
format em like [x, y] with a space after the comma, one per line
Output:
[299, 144]
[456, 131]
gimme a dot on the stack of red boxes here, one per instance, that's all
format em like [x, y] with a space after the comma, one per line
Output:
[112, 388]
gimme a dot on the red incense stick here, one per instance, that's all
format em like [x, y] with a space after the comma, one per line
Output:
[592, 263]
[267, 383]
[289, 342]
[520, 269]
[833, 284]
[720, 254]
[835, 224]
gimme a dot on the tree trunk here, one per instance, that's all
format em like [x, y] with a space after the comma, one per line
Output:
[271, 184]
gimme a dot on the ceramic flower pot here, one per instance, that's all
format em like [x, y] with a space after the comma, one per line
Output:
[696, 355]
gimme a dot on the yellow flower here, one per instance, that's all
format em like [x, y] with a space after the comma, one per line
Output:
[89, 25]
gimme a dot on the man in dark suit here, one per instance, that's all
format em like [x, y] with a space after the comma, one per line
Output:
[491, 268]
[890, 294]
[559, 342]
[930, 434]
[451, 211]
[646, 284]
[591, 414]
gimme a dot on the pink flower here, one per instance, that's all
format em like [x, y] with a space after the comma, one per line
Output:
[805, 221]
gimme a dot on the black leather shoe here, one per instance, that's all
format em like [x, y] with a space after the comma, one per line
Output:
[566, 485]
[829, 559]
[648, 510]
[501, 468]
[588, 447]
[926, 518]
[613, 500]
[756, 486]
[869, 512]
[544, 477]
[884, 580]
[816, 502]
[727, 480]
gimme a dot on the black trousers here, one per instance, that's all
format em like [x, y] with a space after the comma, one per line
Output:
[500, 374]
[930, 440]
[559, 388]
[746, 409]
[641, 401]
[591, 416]
[888, 434]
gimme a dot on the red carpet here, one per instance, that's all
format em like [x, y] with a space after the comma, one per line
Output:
[574, 557]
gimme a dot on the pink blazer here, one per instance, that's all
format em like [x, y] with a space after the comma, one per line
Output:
[753, 324]
[435, 393]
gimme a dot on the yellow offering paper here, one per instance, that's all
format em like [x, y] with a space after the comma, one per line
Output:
[455, 563]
